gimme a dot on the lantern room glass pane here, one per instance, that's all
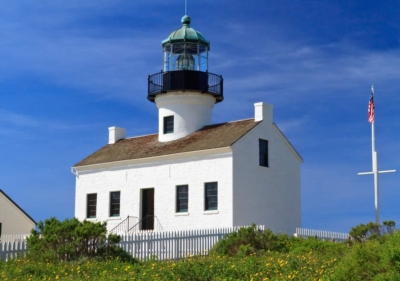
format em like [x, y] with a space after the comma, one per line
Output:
[185, 56]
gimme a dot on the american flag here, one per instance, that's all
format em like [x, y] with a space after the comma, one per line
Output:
[371, 109]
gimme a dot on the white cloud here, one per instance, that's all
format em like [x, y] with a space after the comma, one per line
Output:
[293, 126]
[17, 120]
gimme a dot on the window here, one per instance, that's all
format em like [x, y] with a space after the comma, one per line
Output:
[0, 229]
[263, 145]
[168, 124]
[91, 204]
[114, 203]
[211, 196]
[182, 198]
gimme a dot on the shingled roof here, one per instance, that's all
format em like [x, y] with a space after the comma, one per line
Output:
[209, 137]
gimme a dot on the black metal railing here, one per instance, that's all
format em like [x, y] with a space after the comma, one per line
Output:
[125, 225]
[155, 85]
[204, 82]
[149, 222]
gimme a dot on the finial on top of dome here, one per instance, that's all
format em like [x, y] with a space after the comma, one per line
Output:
[185, 20]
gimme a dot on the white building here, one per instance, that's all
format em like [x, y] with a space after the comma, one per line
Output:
[192, 174]
[13, 219]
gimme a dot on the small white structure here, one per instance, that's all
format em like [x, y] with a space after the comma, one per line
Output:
[13, 219]
[192, 174]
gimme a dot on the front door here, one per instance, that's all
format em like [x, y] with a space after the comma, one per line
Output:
[147, 216]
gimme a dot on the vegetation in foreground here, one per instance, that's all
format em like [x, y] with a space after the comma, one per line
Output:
[245, 255]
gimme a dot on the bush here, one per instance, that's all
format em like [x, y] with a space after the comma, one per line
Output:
[249, 240]
[364, 232]
[372, 260]
[71, 240]
[306, 245]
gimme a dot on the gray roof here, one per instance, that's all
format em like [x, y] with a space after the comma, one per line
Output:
[209, 137]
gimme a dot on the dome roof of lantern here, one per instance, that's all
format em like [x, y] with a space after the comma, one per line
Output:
[186, 34]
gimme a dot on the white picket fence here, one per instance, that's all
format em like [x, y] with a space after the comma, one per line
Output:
[166, 245]
[321, 234]
[13, 237]
[12, 249]
[171, 245]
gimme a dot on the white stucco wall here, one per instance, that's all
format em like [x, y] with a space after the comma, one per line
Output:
[163, 174]
[12, 219]
[266, 195]
[191, 111]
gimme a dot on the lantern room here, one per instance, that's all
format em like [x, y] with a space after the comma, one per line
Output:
[185, 65]
[185, 49]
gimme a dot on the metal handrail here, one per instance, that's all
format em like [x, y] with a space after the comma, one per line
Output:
[155, 83]
[137, 226]
[125, 225]
[214, 85]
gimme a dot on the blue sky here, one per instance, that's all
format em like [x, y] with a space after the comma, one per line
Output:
[71, 69]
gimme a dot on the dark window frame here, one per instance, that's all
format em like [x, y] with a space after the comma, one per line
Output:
[211, 197]
[181, 200]
[115, 204]
[90, 204]
[168, 124]
[263, 153]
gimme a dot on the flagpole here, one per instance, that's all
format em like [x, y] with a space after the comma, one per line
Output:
[375, 164]
[375, 170]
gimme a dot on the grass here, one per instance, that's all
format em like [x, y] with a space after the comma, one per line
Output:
[268, 266]
[298, 259]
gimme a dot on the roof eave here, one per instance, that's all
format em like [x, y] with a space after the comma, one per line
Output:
[213, 151]
[287, 142]
[186, 39]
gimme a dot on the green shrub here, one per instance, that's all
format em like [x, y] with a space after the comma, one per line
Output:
[371, 230]
[72, 239]
[249, 240]
[306, 245]
[372, 260]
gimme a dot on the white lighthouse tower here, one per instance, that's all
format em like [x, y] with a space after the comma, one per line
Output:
[184, 92]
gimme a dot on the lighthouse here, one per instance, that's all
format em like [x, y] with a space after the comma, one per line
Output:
[184, 91]
[192, 174]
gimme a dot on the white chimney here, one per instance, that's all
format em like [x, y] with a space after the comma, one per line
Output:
[115, 134]
[263, 112]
